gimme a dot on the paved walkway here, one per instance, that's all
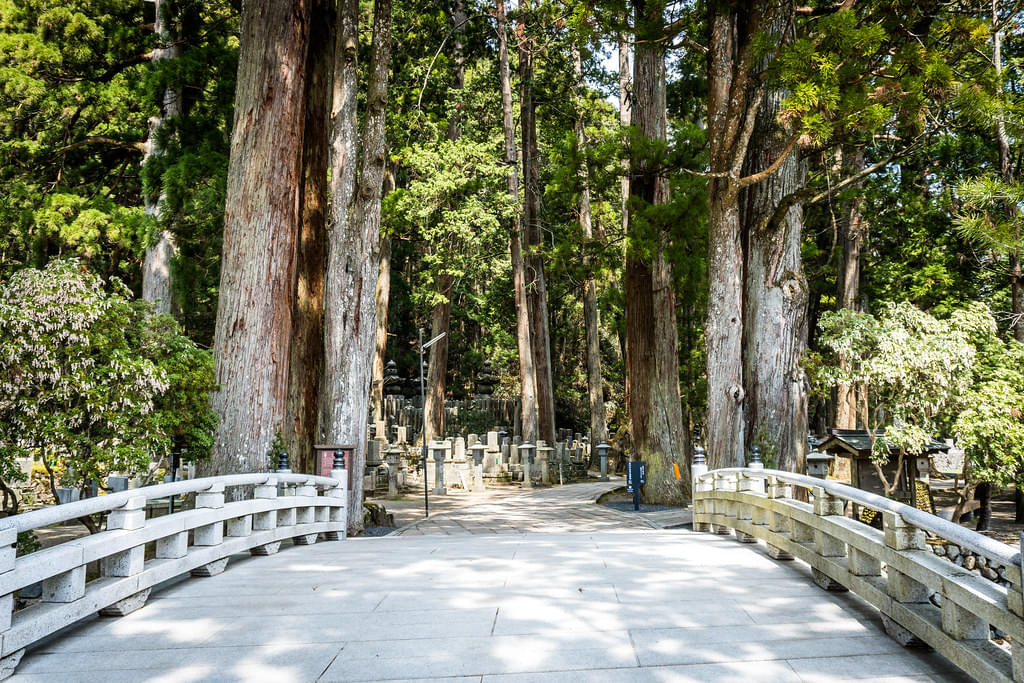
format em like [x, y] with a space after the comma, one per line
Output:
[600, 603]
[518, 511]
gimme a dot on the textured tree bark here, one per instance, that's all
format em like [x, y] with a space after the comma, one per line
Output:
[353, 243]
[536, 286]
[307, 348]
[156, 268]
[527, 373]
[775, 292]
[853, 232]
[728, 100]
[655, 411]
[261, 221]
[595, 385]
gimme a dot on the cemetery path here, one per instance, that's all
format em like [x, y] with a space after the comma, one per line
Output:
[614, 604]
[541, 510]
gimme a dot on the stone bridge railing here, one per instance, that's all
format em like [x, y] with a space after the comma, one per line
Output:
[134, 553]
[920, 595]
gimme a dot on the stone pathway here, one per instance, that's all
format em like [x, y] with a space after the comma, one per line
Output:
[518, 511]
[601, 602]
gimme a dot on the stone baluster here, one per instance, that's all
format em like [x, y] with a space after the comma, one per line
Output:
[697, 470]
[129, 517]
[1015, 603]
[778, 522]
[305, 514]
[750, 483]
[723, 482]
[8, 539]
[903, 537]
[210, 534]
[825, 544]
[266, 521]
[339, 513]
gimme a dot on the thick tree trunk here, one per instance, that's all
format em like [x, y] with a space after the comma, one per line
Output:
[307, 349]
[655, 412]
[353, 243]
[775, 294]
[156, 267]
[527, 373]
[758, 298]
[537, 294]
[727, 101]
[595, 385]
[261, 221]
[853, 232]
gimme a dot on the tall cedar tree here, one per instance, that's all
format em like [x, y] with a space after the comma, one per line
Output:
[261, 221]
[652, 361]
[353, 241]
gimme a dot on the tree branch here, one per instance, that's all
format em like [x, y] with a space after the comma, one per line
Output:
[767, 173]
[112, 70]
[102, 140]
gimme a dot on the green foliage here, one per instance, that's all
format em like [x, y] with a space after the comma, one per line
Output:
[27, 543]
[73, 115]
[277, 446]
[990, 427]
[914, 367]
[990, 214]
[94, 381]
[923, 374]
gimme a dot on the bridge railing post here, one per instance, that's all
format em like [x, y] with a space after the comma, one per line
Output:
[265, 520]
[211, 534]
[778, 522]
[901, 587]
[129, 517]
[305, 514]
[339, 514]
[745, 510]
[825, 544]
[701, 506]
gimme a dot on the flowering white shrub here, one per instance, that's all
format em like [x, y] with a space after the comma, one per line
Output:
[93, 381]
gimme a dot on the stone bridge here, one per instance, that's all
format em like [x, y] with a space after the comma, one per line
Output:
[538, 585]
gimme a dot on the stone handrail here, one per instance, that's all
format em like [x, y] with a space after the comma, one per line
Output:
[892, 569]
[277, 507]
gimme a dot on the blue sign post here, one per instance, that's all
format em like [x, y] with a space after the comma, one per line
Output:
[636, 476]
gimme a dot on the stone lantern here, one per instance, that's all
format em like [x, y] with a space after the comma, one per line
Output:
[817, 463]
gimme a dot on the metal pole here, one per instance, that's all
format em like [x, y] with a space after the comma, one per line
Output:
[423, 453]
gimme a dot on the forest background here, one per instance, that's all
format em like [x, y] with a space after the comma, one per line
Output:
[644, 252]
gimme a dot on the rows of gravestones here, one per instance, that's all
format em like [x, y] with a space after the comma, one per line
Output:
[472, 462]
[402, 406]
